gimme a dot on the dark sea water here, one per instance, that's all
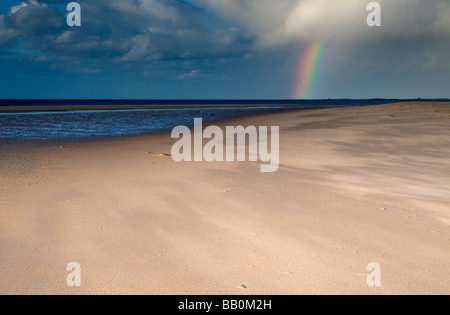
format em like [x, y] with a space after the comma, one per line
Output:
[86, 124]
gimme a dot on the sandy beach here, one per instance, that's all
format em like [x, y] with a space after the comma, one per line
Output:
[355, 186]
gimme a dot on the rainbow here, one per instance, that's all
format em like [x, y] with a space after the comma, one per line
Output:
[308, 69]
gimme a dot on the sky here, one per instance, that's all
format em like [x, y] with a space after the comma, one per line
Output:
[224, 49]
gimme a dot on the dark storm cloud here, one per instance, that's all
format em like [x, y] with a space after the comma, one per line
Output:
[153, 30]
[291, 20]
[122, 31]
[30, 21]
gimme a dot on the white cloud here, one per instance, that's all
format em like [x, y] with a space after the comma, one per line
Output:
[16, 8]
[325, 19]
[189, 75]
[281, 21]
[138, 49]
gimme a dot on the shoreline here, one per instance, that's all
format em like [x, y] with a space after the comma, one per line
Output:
[71, 108]
[231, 120]
[6, 109]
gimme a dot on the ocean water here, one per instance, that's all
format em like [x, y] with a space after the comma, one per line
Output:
[86, 124]
[109, 123]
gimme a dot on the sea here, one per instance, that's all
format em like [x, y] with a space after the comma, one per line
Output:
[166, 114]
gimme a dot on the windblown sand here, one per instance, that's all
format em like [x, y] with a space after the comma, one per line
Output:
[355, 186]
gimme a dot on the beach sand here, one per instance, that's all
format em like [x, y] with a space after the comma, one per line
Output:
[355, 186]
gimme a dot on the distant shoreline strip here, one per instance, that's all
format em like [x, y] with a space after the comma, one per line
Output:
[22, 106]
[56, 108]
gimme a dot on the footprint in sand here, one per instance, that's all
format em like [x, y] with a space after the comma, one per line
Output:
[162, 155]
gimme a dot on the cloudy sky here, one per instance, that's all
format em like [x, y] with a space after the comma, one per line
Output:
[224, 49]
